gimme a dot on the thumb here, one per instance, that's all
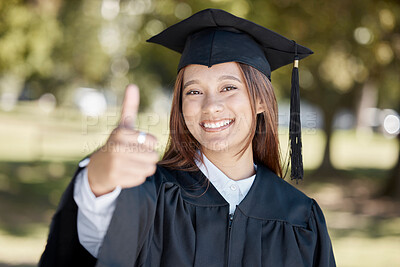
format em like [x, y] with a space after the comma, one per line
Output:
[130, 106]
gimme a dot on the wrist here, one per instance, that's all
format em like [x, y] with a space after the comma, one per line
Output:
[98, 185]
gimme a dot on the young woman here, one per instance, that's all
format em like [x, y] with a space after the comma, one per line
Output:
[217, 197]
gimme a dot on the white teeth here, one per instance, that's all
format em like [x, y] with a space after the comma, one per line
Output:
[218, 124]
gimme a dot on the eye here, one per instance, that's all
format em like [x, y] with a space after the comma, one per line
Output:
[192, 92]
[229, 88]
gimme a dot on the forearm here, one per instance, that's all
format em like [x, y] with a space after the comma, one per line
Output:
[94, 213]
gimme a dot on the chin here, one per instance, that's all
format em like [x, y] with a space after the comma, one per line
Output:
[219, 146]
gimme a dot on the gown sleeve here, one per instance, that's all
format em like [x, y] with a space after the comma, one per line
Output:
[63, 248]
[128, 230]
[131, 224]
[323, 252]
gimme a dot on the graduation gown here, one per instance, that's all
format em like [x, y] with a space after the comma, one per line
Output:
[175, 220]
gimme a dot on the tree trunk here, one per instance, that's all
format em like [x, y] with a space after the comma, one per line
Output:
[326, 167]
[368, 99]
[392, 188]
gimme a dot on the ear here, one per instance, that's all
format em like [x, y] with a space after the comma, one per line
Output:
[259, 106]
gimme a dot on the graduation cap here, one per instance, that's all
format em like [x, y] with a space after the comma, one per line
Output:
[214, 36]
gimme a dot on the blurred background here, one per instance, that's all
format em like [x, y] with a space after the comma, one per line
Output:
[64, 66]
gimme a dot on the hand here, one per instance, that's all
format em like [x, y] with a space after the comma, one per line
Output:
[122, 160]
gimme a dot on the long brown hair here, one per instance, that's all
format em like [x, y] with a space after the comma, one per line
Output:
[181, 149]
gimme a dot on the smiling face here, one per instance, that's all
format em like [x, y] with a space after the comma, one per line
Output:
[216, 106]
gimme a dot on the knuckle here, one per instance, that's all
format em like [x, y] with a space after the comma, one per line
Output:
[113, 139]
[149, 171]
[115, 131]
[140, 179]
[152, 169]
[114, 164]
[108, 147]
[155, 157]
[123, 133]
[143, 172]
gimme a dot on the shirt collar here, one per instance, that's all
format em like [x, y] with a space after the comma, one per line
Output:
[220, 180]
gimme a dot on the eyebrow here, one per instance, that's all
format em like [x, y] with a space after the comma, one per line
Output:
[190, 83]
[224, 77]
[229, 77]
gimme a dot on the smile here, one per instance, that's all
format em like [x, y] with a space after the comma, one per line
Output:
[216, 125]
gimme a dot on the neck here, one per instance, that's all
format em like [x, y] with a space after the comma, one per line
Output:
[235, 167]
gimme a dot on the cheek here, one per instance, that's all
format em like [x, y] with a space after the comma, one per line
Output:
[240, 104]
[192, 105]
[190, 109]
[242, 108]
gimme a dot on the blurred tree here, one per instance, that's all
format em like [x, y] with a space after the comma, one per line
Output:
[29, 31]
[81, 61]
[354, 44]
[392, 188]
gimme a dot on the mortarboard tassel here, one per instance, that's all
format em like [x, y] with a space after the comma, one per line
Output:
[295, 124]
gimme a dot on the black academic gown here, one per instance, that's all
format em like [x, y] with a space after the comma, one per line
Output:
[171, 220]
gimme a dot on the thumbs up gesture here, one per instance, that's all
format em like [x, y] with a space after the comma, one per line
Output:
[128, 156]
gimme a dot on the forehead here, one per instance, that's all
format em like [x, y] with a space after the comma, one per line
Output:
[197, 72]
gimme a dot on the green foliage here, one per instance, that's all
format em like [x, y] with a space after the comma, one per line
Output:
[28, 37]
[68, 44]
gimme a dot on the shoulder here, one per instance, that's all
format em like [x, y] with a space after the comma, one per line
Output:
[165, 175]
[284, 188]
[178, 177]
[279, 200]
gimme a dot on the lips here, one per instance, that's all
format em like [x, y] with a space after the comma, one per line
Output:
[215, 126]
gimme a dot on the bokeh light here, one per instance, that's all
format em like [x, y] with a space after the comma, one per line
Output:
[110, 38]
[384, 53]
[90, 101]
[110, 9]
[391, 124]
[138, 7]
[120, 66]
[183, 10]
[154, 26]
[387, 19]
[363, 35]
[47, 102]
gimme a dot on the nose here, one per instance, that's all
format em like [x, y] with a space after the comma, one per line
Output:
[212, 105]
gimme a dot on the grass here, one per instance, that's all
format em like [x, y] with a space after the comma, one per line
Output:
[39, 153]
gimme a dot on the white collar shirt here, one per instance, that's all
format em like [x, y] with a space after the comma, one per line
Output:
[231, 190]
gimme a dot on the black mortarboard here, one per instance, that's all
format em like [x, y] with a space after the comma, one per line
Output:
[214, 36]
